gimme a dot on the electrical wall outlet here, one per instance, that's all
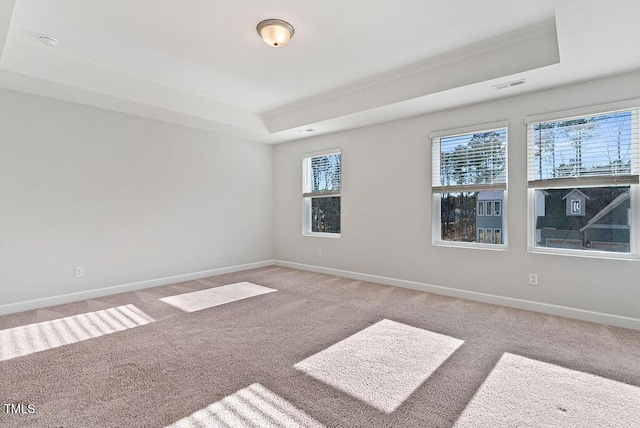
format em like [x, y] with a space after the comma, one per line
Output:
[78, 272]
[533, 279]
[219, 253]
[319, 252]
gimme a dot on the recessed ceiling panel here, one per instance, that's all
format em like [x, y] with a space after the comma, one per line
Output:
[211, 48]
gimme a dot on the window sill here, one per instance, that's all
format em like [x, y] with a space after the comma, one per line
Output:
[471, 245]
[584, 254]
[321, 235]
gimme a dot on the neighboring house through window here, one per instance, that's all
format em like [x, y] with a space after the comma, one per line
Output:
[583, 181]
[321, 193]
[469, 184]
[492, 199]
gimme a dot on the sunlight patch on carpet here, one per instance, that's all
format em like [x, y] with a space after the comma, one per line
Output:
[253, 406]
[203, 299]
[381, 365]
[27, 339]
[523, 392]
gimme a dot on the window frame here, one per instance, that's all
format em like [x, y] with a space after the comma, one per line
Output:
[307, 197]
[634, 188]
[436, 226]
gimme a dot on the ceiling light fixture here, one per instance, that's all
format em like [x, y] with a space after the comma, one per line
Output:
[47, 40]
[275, 32]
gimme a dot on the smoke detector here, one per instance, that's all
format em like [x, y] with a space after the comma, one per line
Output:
[510, 84]
[47, 40]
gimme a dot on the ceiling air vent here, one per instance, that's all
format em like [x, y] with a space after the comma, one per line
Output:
[510, 84]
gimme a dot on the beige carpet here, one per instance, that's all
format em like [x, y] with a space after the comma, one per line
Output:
[235, 363]
[30, 338]
[252, 406]
[382, 364]
[203, 299]
[524, 392]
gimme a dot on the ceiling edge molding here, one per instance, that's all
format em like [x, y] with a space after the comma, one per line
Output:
[535, 31]
[38, 64]
[442, 102]
[32, 85]
[505, 59]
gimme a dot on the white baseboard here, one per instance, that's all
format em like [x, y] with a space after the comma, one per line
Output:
[123, 288]
[546, 308]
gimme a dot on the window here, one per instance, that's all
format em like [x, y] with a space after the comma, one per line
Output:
[469, 179]
[321, 193]
[497, 234]
[583, 182]
[496, 208]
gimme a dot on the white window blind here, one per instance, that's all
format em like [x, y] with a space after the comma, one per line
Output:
[588, 150]
[322, 175]
[469, 162]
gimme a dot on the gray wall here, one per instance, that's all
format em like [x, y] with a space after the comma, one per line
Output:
[386, 218]
[127, 198]
[132, 199]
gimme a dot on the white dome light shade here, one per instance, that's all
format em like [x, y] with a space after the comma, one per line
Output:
[275, 32]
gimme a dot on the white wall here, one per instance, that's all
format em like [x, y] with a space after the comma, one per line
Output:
[127, 198]
[132, 199]
[386, 218]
